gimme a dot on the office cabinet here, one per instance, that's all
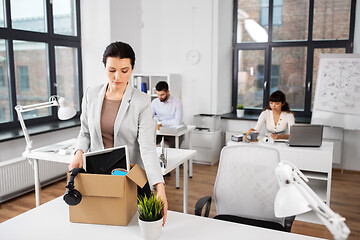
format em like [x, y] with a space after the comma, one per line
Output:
[149, 81]
[208, 146]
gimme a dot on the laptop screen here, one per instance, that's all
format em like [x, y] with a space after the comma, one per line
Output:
[306, 135]
[104, 161]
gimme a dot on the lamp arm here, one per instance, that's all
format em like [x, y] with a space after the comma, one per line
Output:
[333, 221]
[24, 129]
[20, 109]
[36, 106]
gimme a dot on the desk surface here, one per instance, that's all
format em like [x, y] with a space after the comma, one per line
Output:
[51, 221]
[325, 147]
[175, 157]
[176, 134]
[53, 152]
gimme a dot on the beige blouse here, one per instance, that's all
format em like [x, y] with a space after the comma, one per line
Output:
[109, 112]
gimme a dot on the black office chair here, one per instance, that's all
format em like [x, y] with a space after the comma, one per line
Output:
[245, 188]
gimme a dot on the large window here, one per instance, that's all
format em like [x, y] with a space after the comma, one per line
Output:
[40, 56]
[284, 54]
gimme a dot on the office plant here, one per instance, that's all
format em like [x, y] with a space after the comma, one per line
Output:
[151, 212]
[240, 110]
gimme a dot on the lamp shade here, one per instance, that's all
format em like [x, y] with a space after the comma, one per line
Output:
[290, 202]
[256, 31]
[65, 112]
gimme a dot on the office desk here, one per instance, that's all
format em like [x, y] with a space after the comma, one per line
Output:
[177, 136]
[48, 153]
[314, 162]
[51, 221]
[176, 157]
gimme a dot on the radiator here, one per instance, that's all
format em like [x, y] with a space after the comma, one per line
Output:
[17, 176]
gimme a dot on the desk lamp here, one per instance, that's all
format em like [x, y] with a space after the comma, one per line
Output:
[65, 112]
[296, 197]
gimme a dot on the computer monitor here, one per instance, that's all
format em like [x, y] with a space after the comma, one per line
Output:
[104, 161]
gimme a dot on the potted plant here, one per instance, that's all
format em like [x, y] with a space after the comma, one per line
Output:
[151, 212]
[240, 110]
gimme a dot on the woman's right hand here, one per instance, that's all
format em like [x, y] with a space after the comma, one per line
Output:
[77, 160]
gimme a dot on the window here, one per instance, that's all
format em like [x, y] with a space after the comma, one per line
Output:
[40, 60]
[264, 12]
[2, 19]
[2, 115]
[284, 54]
[23, 74]
[2, 77]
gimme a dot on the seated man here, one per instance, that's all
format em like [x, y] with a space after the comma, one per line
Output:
[166, 109]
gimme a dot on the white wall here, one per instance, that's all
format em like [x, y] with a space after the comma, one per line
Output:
[173, 27]
[126, 25]
[95, 36]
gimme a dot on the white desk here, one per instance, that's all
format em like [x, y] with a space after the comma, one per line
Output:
[176, 157]
[314, 162]
[47, 153]
[51, 221]
[177, 145]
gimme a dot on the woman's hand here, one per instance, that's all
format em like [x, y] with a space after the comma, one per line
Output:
[279, 136]
[160, 190]
[77, 160]
[274, 136]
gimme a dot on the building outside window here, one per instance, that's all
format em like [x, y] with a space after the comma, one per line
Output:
[41, 60]
[2, 77]
[284, 54]
[23, 74]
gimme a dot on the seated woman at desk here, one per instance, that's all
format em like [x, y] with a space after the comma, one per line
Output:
[277, 117]
[116, 114]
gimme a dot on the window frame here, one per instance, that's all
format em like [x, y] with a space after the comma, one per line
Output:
[52, 40]
[311, 45]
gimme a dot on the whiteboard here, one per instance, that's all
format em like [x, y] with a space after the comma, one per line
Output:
[337, 91]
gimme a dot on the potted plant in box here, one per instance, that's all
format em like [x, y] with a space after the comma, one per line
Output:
[151, 212]
[240, 110]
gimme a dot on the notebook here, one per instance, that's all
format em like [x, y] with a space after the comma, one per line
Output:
[305, 135]
[104, 161]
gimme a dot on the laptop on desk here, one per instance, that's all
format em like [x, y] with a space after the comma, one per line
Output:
[305, 135]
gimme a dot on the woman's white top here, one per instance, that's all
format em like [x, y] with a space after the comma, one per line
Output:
[282, 127]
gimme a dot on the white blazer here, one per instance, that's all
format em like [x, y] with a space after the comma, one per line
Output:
[133, 127]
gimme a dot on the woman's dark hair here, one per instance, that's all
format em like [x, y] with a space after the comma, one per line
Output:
[279, 96]
[120, 50]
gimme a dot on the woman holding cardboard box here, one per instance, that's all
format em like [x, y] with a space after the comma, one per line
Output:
[116, 114]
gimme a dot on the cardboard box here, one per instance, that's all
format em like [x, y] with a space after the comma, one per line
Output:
[107, 199]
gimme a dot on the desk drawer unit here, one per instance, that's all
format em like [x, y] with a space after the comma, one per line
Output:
[208, 146]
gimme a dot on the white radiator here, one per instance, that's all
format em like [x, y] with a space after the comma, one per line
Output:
[17, 176]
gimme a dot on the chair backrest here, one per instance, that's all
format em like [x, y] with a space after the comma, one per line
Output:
[246, 184]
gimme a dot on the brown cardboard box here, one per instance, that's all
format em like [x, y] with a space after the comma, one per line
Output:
[107, 199]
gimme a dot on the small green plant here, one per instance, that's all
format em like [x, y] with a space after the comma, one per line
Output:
[240, 106]
[150, 209]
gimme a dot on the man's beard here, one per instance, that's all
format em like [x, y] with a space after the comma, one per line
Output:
[163, 100]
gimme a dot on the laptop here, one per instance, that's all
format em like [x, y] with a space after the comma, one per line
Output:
[305, 135]
[104, 161]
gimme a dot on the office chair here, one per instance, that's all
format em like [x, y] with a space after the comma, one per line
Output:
[245, 188]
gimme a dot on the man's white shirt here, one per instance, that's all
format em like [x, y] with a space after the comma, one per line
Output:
[169, 112]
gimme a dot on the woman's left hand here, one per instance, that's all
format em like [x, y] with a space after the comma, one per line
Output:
[160, 190]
